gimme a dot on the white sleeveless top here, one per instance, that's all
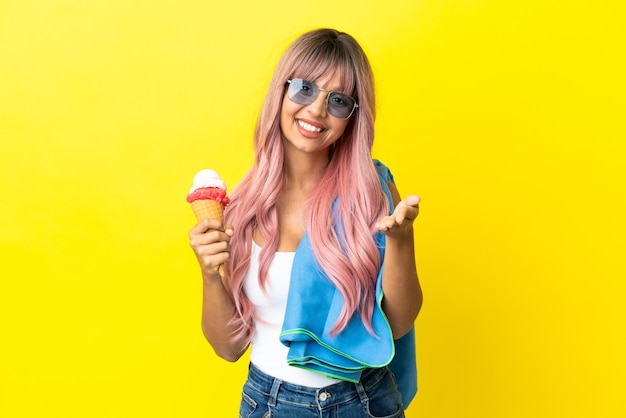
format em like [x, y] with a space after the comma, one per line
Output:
[267, 352]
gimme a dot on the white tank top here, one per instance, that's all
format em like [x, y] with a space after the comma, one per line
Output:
[267, 352]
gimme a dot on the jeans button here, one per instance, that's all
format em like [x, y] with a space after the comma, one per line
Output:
[323, 396]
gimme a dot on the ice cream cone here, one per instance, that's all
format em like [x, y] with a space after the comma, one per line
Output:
[208, 209]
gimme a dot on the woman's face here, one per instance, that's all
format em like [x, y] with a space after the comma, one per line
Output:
[309, 128]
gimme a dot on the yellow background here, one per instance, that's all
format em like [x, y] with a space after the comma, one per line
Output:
[507, 117]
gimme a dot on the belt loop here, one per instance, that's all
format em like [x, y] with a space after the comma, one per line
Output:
[361, 390]
[274, 393]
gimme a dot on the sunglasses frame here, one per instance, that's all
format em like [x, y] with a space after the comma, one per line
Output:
[319, 89]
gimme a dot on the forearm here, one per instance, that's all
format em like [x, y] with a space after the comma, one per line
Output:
[217, 312]
[402, 292]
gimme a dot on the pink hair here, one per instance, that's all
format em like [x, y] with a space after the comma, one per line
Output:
[346, 252]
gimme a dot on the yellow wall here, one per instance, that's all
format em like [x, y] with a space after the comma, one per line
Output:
[506, 116]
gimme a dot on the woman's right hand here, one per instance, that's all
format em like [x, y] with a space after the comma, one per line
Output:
[210, 241]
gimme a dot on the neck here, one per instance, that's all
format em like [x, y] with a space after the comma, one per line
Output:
[303, 171]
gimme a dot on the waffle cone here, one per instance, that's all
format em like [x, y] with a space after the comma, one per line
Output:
[208, 209]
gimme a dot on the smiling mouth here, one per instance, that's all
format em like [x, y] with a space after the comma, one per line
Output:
[308, 127]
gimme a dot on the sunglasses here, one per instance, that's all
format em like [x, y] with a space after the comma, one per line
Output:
[304, 92]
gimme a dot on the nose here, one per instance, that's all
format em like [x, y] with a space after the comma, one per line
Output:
[318, 107]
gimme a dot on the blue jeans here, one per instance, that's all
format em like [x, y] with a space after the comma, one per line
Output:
[375, 396]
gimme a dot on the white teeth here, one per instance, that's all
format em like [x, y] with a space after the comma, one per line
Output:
[309, 127]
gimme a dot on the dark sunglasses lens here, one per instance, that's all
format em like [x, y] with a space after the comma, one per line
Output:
[302, 92]
[340, 105]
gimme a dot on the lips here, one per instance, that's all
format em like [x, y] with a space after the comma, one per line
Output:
[310, 129]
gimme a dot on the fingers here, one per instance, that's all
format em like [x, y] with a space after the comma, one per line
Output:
[204, 225]
[385, 223]
[212, 256]
[405, 213]
[407, 209]
[210, 241]
[412, 200]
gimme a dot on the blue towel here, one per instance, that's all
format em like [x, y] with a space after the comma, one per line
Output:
[313, 307]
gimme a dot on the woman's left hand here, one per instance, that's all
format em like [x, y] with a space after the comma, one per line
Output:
[400, 223]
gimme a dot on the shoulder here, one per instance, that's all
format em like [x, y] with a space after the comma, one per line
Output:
[384, 173]
[387, 183]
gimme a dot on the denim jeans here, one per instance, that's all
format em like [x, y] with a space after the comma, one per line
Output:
[375, 396]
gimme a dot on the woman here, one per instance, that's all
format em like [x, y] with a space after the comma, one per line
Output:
[315, 203]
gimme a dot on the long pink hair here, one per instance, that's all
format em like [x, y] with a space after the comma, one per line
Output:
[347, 253]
